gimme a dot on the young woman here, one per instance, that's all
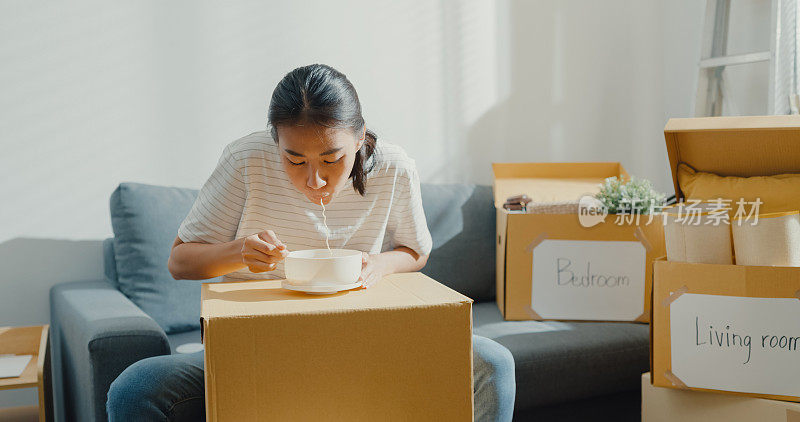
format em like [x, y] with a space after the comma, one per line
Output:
[266, 197]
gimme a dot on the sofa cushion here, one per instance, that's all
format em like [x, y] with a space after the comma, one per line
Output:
[461, 219]
[179, 339]
[145, 220]
[558, 362]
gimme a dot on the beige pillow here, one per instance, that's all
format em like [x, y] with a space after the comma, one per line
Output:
[777, 193]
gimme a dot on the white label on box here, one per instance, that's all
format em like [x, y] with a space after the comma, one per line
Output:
[588, 280]
[732, 343]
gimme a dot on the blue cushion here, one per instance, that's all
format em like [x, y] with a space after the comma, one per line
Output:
[145, 219]
[461, 219]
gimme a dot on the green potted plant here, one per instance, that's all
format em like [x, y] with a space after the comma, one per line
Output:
[636, 196]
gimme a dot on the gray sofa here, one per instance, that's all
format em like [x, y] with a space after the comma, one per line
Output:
[564, 371]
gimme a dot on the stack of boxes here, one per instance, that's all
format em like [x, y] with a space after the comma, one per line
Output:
[726, 328]
[725, 339]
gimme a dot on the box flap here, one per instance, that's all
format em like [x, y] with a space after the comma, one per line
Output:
[551, 182]
[734, 146]
[266, 297]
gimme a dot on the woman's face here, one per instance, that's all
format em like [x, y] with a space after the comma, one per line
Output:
[317, 159]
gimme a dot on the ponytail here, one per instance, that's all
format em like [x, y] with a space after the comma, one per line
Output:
[360, 168]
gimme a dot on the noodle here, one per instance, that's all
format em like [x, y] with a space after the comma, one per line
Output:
[327, 230]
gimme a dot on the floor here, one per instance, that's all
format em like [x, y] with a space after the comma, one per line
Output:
[20, 414]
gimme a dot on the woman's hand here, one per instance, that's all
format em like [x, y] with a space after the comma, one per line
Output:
[371, 270]
[262, 251]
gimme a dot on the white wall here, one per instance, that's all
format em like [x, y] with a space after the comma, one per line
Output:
[93, 93]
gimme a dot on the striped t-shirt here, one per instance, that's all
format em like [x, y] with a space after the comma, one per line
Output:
[249, 192]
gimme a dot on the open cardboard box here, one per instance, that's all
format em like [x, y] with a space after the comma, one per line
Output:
[549, 266]
[400, 350]
[731, 328]
[668, 405]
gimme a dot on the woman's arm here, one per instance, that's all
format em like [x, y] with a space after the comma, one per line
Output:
[399, 260]
[199, 261]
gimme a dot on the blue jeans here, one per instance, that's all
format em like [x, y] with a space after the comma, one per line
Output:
[171, 387]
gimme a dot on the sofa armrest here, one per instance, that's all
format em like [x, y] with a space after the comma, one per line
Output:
[96, 332]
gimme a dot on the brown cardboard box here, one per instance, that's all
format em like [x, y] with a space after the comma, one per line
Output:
[670, 405]
[729, 327]
[400, 350]
[566, 253]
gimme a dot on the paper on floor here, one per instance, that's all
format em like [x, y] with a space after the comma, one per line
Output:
[13, 365]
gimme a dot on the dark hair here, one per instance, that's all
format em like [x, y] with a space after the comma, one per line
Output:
[321, 95]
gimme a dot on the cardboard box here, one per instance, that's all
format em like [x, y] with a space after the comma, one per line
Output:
[401, 350]
[729, 327]
[550, 266]
[670, 405]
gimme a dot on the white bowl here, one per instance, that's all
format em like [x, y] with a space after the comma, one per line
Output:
[317, 266]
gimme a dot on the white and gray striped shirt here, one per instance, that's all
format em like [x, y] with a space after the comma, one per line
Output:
[249, 192]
